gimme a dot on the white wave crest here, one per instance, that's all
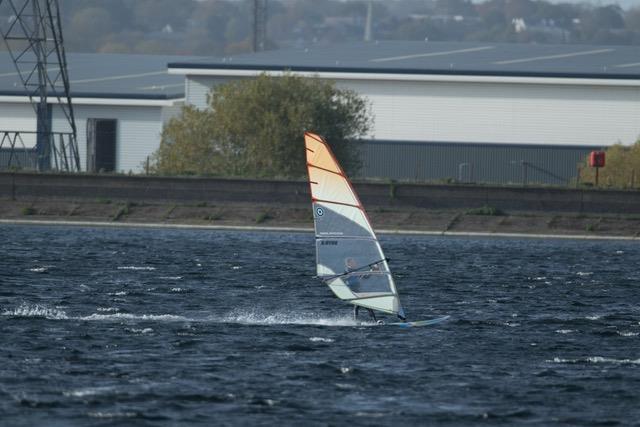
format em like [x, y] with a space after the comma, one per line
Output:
[89, 391]
[26, 310]
[118, 294]
[110, 314]
[136, 268]
[252, 318]
[320, 339]
[129, 316]
[596, 359]
[628, 334]
[140, 331]
[112, 414]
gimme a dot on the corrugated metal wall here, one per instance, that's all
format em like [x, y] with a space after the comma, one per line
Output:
[463, 162]
[21, 157]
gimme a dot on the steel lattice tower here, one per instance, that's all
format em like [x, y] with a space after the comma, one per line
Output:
[33, 38]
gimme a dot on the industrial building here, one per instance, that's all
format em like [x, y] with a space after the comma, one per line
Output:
[500, 113]
[125, 97]
[465, 111]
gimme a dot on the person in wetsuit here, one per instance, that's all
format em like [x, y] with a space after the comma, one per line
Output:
[353, 282]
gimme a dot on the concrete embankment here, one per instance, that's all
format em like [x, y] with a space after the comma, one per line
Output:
[433, 209]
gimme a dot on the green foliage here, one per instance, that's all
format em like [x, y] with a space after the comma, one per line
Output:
[392, 189]
[216, 216]
[262, 217]
[170, 211]
[485, 210]
[122, 211]
[255, 126]
[28, 211]
[621, 170]
[187, 146]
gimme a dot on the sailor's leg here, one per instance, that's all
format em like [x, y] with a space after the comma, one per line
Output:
[356, 308]
[372, 314]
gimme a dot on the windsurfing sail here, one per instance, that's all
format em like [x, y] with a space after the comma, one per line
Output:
[348, 255]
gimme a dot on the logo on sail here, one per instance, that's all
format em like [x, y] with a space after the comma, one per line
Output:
[319, 211]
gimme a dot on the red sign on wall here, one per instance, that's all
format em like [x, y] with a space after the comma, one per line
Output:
[596, 159]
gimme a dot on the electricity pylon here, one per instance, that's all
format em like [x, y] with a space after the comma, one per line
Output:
[33, 38]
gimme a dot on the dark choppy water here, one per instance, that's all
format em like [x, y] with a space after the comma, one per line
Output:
[184, 327]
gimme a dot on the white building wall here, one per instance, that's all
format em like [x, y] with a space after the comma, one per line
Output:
[18, 117]
[510, 113]
[502, 112]
[138, 132]
[139, 128]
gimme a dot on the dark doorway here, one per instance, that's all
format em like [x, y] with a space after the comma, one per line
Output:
[101, 145]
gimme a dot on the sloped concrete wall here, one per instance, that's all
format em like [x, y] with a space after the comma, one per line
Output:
[33, 186]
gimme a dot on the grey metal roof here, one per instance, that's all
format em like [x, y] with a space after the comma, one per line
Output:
[415, 57]
[108, 76]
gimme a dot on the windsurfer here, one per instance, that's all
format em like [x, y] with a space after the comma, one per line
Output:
[353, 282]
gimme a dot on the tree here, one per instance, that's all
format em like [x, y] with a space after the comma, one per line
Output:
[254, 128]
[455, 7]
[187, 146]
[89, 26]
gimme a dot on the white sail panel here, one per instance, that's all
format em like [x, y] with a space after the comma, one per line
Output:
[383, 301]
[388, 304]
[340, 220]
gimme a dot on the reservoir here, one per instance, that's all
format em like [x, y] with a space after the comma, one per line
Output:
[111, 326]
